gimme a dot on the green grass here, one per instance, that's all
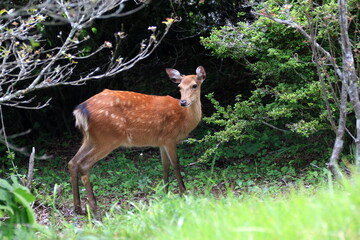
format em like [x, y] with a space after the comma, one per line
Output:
[303, 214]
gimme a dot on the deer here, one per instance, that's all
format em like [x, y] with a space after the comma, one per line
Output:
[114, 118]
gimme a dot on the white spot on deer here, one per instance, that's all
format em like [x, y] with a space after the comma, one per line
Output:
[113, 116]
[106, 113]
[117, 100]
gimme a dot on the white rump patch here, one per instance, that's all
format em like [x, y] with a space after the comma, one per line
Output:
[81, 120]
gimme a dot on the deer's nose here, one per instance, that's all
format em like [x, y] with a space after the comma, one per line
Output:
[183, 103]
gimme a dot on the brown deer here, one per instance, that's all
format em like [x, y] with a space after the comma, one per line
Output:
[113, 119]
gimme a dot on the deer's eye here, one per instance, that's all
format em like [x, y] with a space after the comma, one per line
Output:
[194, 86]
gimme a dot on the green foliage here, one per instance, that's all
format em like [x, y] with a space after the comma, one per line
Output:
[6, 160]
[19, 218]
[279, 53]
[282, 62]
[15, 202]
[242, 131]
[231, 123]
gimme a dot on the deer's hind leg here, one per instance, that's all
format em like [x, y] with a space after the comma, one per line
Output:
[73, 166]
[96, 153]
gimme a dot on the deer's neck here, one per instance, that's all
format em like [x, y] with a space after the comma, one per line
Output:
[193, 116]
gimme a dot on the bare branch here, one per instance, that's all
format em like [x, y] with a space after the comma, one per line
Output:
[272, 126]
[18, 134]
[25, 64]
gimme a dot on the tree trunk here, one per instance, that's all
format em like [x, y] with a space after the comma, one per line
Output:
[339, 140]
[349, 72]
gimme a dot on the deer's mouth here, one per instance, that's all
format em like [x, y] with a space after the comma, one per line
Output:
[185, 103]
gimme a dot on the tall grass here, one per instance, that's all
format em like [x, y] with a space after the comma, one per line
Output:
[326, 214]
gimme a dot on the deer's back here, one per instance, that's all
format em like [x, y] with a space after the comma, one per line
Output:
[134, 119]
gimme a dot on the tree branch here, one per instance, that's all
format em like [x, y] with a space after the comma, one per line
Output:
[20, 60]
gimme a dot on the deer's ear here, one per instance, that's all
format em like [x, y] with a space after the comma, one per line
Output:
[200, 73]
[174, 75]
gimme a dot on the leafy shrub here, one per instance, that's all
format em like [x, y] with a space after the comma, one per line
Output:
[239, 132]
[15, 202]
[19, 218]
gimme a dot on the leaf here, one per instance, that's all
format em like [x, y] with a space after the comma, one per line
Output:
[34, 44]
[2, 11]
[5, 195]
[4, 184]
[25, 194]
[6, 208]
[29, 216]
